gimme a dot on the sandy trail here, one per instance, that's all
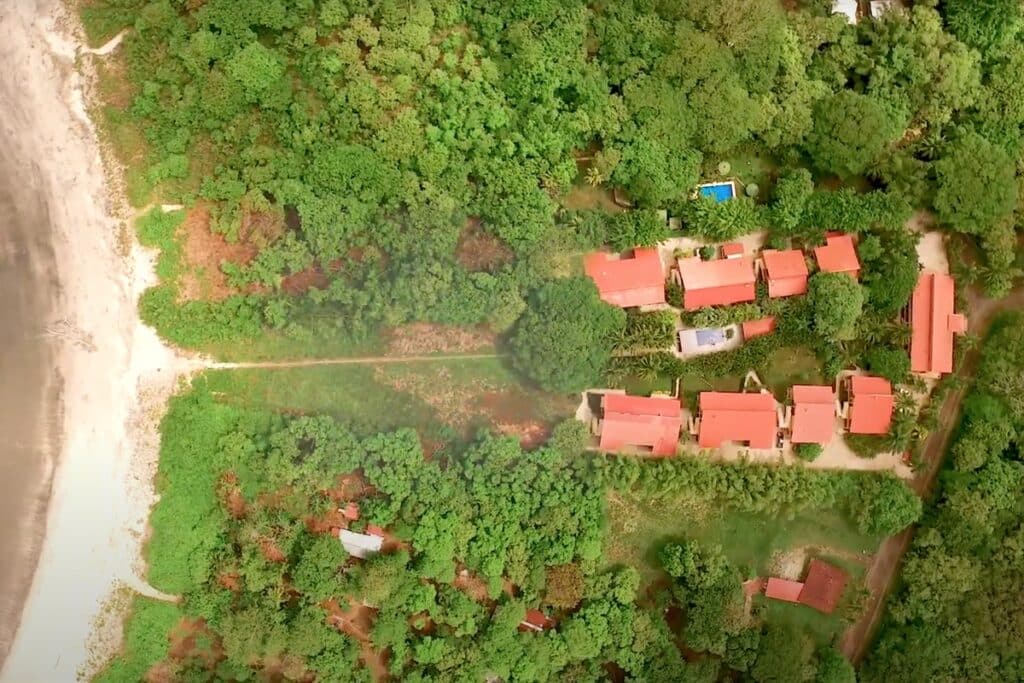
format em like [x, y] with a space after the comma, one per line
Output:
[115, 388]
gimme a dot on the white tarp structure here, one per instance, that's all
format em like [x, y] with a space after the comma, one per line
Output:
[360, 545]
[847, 8]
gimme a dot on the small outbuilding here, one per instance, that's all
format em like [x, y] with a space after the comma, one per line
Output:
[733, 250]
[823, 587]
[814, 414]
[737, 417]
[933, 324]
[628, 282]
[758, 328]
[646, 422]
[716, 283]
[839, 255]
[783, 589]
[535, 620]
[871, 405]
[360, 545]
[785, 271]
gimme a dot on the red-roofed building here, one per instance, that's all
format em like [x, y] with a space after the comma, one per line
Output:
[757, 328]
[786, 272]
[628, 282]
[783, 589]
[933, 324]
[871, 405]
[716, 283]
[350, 512]
[838, 255]
[374, 530]
[732, 250]
[814, 414]
[652, 422]
[535, 620]
[823, 587]
[742, 418]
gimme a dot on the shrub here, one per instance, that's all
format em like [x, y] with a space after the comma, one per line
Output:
[808, 452]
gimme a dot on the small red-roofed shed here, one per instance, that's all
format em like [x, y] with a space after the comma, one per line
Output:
[374, 530]
[838, 255]
[783, 589]
[759, 327]
[535, 620]
[871, 405]
[814, 414]
[737, 417]
[786, 272]
[652, 422]
[823, 587]
[933, 324]
[732, 250]
[717, 283]
[628, 282]
[351, 512]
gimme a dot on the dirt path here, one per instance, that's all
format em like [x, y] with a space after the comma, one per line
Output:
[881, 576]
[357, 360]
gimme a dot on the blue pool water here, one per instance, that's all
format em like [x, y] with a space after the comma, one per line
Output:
[720, 192]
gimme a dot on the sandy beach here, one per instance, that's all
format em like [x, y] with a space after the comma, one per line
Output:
[115, 375]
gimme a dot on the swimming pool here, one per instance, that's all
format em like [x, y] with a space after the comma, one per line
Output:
[720, 192]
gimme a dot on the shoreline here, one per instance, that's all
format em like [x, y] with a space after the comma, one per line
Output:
[117, 374]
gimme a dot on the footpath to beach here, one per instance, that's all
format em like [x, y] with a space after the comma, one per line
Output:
[115, 374]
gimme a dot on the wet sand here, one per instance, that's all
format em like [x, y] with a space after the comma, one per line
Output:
[29, 380]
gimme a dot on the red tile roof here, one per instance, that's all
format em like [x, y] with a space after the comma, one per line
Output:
[535, 620]
[717, 283]
[823, 587]
[626, 282]
[933, 324]
[351, 512]
[654, 422]
[374, 530]
[786, 271]
[756, 328]
[871, 405]
[732, 250]
[783, 589]
[814, 414]
[738, 417]
[838, 255]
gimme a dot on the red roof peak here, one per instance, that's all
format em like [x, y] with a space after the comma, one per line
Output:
[871, 405]
[814, 410]
[717, 283]
[654, 422]
[738, 417]
[627, 282]
[933, 324]
[838, 255]
[823, 587]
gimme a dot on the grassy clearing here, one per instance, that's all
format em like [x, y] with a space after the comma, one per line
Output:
[274, 345]
[444, 400]
[789, 366]
[638, 529]
[752, 168]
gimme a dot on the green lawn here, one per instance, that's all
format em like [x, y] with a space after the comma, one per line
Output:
[275, 345]
[638, 529]
[444, 400]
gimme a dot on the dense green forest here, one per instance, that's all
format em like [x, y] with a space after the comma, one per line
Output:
[243, 533]
[367, 141]
[958, 615]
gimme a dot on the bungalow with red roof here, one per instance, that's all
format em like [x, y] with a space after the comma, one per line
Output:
[757, 328]
[535, 620]
[933, 324]
[650, 422]
[716, 283]
[814, 414]
[838, 255]
[783, 589]
[738, 417]
[785, 271]
[628, 282]
[871, 405]
[823, 587]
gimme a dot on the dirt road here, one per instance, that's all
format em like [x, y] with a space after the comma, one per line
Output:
[881, 576]
[355, 360]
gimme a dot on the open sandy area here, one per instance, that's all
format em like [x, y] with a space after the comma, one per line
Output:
[116, 375]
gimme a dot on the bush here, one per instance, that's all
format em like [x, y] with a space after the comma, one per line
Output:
[808, 452]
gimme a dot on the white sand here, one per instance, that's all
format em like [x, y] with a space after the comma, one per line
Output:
[114, 394]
